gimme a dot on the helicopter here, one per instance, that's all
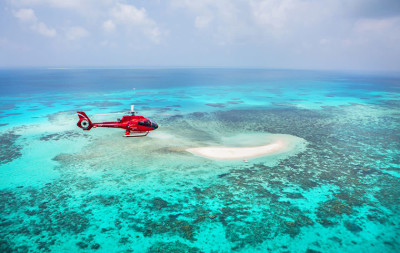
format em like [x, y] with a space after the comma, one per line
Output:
[134, 125]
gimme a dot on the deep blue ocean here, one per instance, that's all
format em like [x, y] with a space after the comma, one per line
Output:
[62, 189]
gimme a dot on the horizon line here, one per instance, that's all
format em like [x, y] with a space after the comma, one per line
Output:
[122, 67]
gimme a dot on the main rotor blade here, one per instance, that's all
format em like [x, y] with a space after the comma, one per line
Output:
[157, 113]
[147, 113]
[111, 113]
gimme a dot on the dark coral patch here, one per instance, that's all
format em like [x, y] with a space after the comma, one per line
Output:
[13, 114]
[235, 102]
[63, 135]
[158, 203]
[352, 227]
[255, 202]
[217, 105]
[172, 247]
[332, 208]
[9, 150]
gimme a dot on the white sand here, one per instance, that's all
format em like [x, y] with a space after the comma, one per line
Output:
[236, 153]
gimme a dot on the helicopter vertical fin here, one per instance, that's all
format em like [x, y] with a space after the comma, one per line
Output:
[84, 121]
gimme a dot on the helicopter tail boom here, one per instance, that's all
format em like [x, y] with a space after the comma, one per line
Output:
[84, 121]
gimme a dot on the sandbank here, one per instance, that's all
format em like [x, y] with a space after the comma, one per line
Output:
[237, 153]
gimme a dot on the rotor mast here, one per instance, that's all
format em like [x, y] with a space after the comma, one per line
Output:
[132, 112]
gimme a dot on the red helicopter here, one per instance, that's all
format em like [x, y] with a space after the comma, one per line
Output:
[138, 125]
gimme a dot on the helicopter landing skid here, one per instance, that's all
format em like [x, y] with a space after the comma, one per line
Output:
[136, 135]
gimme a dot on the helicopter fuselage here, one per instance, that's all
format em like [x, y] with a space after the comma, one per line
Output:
[136, 124]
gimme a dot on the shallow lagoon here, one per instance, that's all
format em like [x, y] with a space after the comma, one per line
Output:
[63, 189]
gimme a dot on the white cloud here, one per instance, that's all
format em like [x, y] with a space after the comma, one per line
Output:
[42, 29]
[129, 14]
[381, 25]
[133, 18]
[76, 33]
[209, 10]
[25, 15]
[293, 15]
[202, 22]
[28, 16]
[108, 25]
[63, 4]
[273, 13]
[225, 20]
[382, 34]
[154, 33]
[89, 10]
[273, 32]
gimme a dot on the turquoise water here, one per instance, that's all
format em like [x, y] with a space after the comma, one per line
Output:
[66, 190]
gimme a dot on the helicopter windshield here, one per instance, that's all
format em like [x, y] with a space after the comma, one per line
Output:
[146, 123]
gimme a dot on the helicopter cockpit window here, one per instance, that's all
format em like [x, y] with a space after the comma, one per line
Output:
[145, 123]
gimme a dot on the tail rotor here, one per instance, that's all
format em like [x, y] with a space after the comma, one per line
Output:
[84, 121]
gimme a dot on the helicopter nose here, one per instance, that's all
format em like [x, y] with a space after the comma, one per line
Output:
[154, 125]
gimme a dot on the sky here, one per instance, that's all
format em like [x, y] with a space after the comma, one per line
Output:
[290, 34]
